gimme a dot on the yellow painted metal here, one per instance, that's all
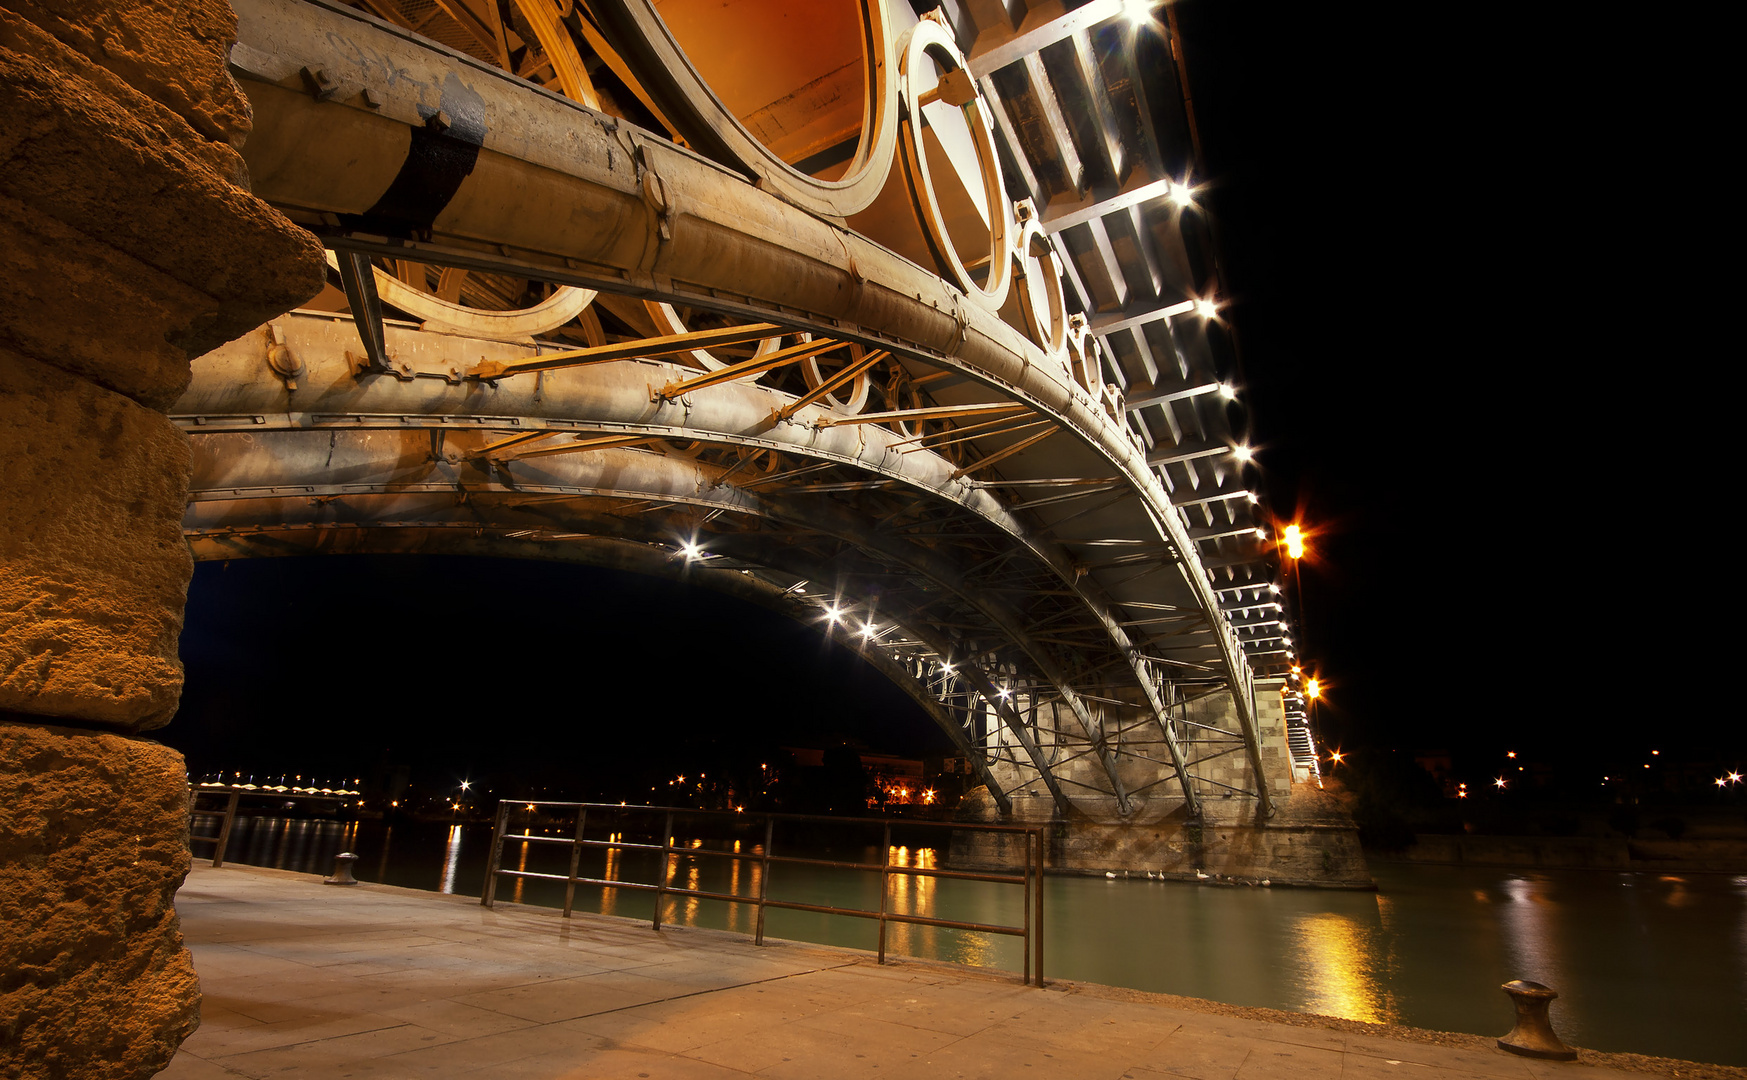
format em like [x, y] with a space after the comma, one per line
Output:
[755, 366]
[852, 371]
[513, 440]
[939, 412]
[625, 350]
[590, 444]
[1001, 454]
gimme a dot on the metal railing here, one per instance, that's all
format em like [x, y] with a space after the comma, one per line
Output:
[1030, 929]
[228, 814]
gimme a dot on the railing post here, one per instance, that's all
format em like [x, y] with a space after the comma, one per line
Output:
[1037, 954]
[666, 865]
[224, 831]
[885, 877]
[764, 877]
[1025, 964]
[575, 860]
[489, 896]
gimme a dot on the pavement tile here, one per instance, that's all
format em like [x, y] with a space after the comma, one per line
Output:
[991, 1054]
[1489, 1063]
[612, 1063]
[560, 999]
[186, 1066]
[455, 1018]
[336, 1056]
[1202, 1056]
[1280, 1061]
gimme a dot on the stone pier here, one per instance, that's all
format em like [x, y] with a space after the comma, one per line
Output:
[129, 242]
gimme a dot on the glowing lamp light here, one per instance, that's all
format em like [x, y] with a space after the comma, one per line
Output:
[1721, 781]
[1510, 753]
[1242, 453]
[1207, 309]
[465, 784]
[1337, 757]
[1182, 194]
[946, 667]
[834, 614]
[1499, 783]
[1294, 541]
[1139, 12]
[1005, 693]
[1313, 689]
[1227, 391]
[1734, 778]
[691, 551]
[867, 631]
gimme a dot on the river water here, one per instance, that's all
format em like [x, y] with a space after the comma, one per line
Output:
[1646, 963]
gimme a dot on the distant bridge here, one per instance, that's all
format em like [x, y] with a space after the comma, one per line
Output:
[915, 335]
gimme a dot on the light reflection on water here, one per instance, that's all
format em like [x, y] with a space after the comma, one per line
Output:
[1345, 971]
[1643, 963]
[451, 859]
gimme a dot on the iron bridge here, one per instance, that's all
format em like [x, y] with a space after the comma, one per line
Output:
[907, 325]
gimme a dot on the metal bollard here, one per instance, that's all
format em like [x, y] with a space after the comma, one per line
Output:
[342, 870]
[1533, 1035]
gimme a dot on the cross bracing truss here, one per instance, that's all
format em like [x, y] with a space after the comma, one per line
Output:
[956, 485]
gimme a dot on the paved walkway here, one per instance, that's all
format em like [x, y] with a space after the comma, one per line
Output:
[307, 980]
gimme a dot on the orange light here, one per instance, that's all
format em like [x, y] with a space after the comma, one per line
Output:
[1313, 689]
[1294, 542]
[1499, 783]
[1510, 753]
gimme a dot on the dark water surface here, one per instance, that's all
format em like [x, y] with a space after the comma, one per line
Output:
[1646, 963]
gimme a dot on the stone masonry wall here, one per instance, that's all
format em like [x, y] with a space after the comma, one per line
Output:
[128, 242]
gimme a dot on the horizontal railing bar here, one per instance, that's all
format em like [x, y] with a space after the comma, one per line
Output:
[800, 860]
[796, 905]
[685, 811]
[982, 928]
[963, 875]
[541, 839]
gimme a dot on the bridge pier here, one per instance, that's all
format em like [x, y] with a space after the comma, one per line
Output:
[128, 242]
[1307, 840]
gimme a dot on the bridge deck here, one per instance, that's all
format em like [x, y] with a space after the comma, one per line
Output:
[306, 980]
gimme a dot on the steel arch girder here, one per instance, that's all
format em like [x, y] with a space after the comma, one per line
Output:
[636, 476]
[640, 476]
[231, 389]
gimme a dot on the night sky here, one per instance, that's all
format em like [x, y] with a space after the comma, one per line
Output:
[1440, 379]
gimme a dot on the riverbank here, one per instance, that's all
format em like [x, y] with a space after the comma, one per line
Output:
[305, 979]
[1700, 855]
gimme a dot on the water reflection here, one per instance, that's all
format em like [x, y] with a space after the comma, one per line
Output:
[1527, 919]
[1347, 970]
[451, 856]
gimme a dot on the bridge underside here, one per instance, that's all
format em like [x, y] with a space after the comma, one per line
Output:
[645, 326]
[1006, 635]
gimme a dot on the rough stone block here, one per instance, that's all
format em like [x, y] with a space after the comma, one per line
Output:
[93, 569]
[108, 163]
[175, 54]
[63, 289]
[94, 981]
